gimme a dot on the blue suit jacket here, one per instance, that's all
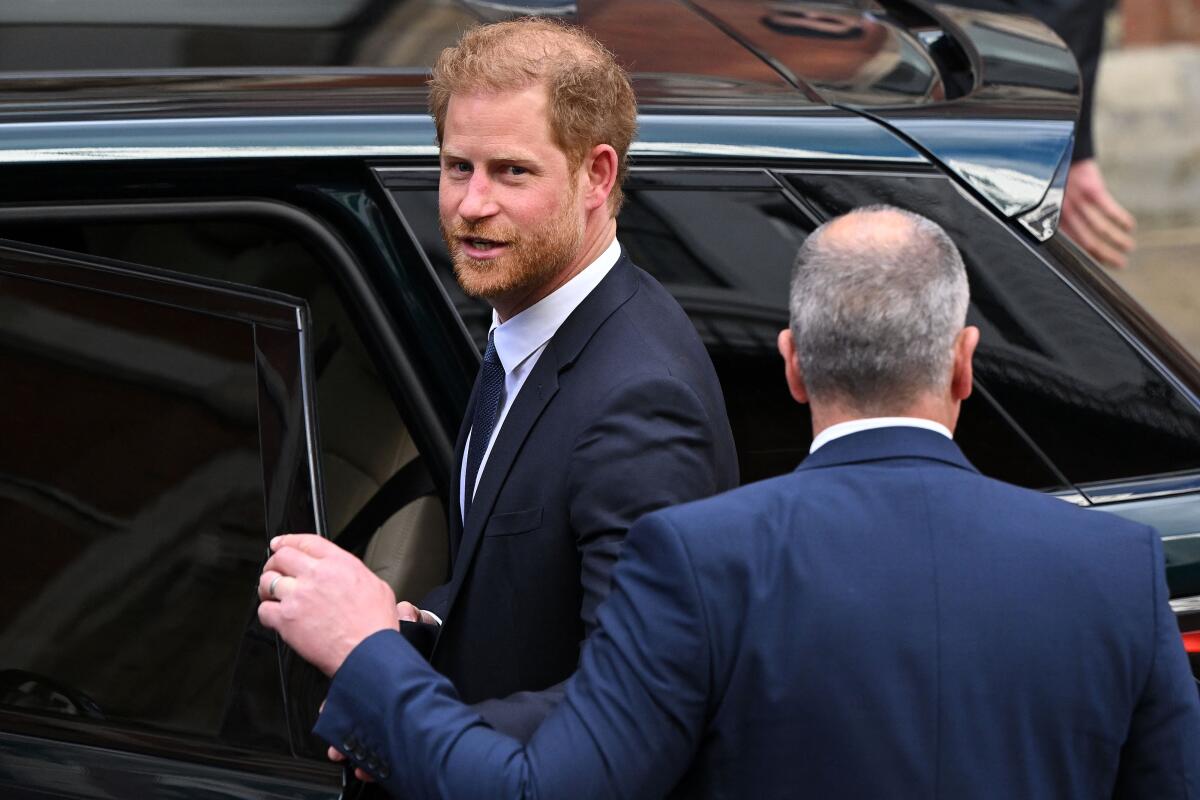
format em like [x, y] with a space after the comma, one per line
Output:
[883, 622]
[622, 414]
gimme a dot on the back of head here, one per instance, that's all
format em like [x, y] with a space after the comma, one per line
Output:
[878, 296]
[591, 100]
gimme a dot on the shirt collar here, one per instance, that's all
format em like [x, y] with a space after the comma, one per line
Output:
[870, 423]
[520, 336]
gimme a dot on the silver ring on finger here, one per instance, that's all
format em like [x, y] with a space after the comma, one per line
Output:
[271, 585]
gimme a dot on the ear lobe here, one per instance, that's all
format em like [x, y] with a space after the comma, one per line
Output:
[791, 366]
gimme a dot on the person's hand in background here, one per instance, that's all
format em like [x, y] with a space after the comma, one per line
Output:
[1093, 219]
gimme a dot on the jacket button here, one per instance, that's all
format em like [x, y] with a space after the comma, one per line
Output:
[350, 745]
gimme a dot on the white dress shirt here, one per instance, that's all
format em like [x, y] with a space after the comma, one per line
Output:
[520, 341]
[870, 423]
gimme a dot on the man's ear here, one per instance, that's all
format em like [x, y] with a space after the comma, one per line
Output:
[791, 366]
[961, 379]
[599, 175]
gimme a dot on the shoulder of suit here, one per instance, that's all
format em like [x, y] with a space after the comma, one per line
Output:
[1048, 504]
[1044, 520]
[744, 502]
[768, 498]
[650, 320]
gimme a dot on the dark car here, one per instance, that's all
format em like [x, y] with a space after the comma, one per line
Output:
[226, 312]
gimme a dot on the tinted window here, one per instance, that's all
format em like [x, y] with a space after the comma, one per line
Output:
[1096, 408]
[725, 251]
[726, 256]
[132, 507]
[364, 441]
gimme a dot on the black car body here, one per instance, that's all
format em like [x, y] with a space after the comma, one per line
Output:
[226, 312]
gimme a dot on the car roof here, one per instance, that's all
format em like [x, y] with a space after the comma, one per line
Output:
[744, 52]
[991, 96]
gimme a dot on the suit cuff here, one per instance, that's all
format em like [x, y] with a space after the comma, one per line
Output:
[351, 720]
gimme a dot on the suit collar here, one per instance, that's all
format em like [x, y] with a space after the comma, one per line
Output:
[870, 423]
[880, 444]
[618, 286]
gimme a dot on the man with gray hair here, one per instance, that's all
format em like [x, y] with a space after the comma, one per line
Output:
[883, 622]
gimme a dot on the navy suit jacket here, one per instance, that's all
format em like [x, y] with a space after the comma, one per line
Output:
[883, 622]
[622, 414]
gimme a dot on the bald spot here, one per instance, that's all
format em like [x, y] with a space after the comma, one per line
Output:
[872, 229]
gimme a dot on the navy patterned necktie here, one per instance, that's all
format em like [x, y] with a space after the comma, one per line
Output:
[483, 423]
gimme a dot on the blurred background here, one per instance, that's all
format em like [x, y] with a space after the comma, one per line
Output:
[1147, 131]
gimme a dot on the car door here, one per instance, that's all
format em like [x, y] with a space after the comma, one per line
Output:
[158, 430]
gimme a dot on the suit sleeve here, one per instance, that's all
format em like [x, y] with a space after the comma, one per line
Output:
[1161, 755]
[628, 726]
[652, 446]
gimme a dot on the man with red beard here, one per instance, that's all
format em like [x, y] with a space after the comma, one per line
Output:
[596, 401]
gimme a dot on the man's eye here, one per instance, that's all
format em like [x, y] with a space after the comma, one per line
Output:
[513, 169]
[460, 166]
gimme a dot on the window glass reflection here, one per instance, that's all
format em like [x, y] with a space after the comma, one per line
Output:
[131, 483]
[364, 441]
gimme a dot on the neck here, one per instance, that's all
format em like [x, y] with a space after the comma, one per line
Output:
[826, 414]
[596, 240]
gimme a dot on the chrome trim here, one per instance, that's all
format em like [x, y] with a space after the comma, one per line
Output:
[1042, 221]
[1186, 605]
[769, 136]
[1125, 497]
[1181, 536]
[311, 440]
[744, 151]
[1120, 491]
[772, 137]
[218, 137]
[77, 154]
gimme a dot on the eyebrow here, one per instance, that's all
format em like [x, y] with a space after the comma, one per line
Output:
[524, 158]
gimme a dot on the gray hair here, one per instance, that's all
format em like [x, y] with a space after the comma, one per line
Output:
[874, 316]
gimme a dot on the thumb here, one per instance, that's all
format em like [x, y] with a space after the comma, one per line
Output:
[407, 612]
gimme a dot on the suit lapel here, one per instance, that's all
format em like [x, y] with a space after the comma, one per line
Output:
[541, 385]
[535, 394]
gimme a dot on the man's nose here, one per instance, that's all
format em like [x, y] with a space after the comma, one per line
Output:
[478, 203]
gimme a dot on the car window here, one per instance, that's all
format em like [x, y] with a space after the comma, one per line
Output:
[1069, 379]
[364, 440]
[723, 244]
[132, 494]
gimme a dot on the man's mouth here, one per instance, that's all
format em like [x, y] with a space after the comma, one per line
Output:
[481, 248]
